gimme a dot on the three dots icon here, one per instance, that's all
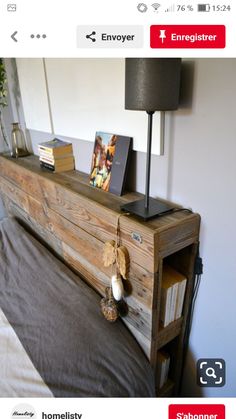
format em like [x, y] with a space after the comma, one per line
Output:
[38, 36]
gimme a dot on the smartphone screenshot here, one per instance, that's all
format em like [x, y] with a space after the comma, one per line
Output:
[117, 209]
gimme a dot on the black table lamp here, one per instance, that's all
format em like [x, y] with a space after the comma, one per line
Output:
[151, 84]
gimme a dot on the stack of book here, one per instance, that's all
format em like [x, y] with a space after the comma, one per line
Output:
[163, 364]
[172, 295]
[56, 155]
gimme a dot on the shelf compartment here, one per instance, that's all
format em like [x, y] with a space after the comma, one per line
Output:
[168, 333]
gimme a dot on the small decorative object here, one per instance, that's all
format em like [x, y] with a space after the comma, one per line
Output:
[117, 287]
[56, 155]
[19, 148]
[122, 308]
[116, 254]
[109, 253]
[113, 304]
[110, 162]
[109, 307]
[123, 261]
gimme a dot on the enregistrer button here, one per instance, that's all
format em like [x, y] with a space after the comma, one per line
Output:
[187, 36]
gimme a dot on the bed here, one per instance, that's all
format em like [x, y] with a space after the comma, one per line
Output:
[75, 221]
[54, 339]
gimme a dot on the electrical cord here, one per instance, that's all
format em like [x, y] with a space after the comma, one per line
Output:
[182, 209]
[198, 271]
[174, 210]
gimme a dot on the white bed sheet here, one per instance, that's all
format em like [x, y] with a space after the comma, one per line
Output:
[18, 376]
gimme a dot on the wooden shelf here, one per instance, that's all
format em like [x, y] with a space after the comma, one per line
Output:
[75, 220]
[168, 333]
[167, 389]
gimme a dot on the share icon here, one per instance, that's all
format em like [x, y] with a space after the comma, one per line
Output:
[89, 36]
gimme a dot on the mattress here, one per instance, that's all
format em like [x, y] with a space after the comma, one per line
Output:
[18, 376]
[54, 339]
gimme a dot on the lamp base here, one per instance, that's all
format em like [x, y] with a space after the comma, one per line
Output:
[155, 208]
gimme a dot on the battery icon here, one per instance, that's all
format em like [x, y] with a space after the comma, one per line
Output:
[203, 7]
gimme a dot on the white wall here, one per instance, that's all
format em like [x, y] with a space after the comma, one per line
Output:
[77, 97]
[202, 153]
[34, 93]
[198, 171]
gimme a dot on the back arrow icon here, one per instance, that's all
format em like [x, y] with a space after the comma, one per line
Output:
[13, 36]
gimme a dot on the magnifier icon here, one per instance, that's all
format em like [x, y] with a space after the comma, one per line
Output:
[210, 372]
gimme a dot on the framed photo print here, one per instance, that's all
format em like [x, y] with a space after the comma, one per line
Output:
[110, 161]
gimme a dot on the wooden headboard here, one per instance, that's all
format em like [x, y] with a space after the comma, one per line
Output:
[75, 220]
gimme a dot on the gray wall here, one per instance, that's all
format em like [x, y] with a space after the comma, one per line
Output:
[202, 175]
[198, 171]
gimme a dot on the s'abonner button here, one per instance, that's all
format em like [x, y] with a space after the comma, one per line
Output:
[197, 411]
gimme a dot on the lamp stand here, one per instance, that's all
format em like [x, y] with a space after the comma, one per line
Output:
[148, 207]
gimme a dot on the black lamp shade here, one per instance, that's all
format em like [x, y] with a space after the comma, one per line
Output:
[152, 84]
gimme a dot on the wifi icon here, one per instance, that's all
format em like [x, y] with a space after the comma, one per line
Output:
[156, 6]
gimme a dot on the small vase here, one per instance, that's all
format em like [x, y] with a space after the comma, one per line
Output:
[19, 148]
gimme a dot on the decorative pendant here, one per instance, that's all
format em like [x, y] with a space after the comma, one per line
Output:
[108, 306]
[109, 253]
[117, 287]
[123, 261]
[116, 254]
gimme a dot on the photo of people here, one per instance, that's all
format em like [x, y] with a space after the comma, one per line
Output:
[103, 154]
